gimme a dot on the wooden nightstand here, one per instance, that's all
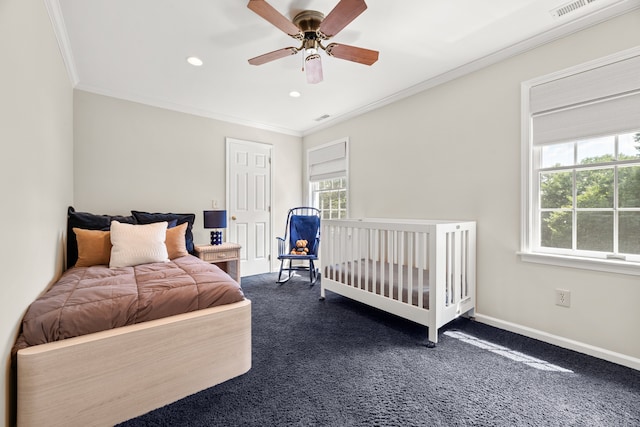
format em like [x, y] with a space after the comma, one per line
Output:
[226, 256]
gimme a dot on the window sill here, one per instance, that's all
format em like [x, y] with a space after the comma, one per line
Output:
[606, 265]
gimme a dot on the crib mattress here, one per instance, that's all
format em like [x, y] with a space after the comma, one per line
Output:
[360, 274]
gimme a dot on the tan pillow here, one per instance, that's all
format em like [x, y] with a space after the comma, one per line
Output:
[94, 247]
[137, 244]
[176, 244]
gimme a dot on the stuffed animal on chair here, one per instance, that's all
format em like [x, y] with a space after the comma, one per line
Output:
[301, 248]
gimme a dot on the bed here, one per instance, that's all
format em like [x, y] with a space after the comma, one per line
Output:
[421, 270]
[154, 331]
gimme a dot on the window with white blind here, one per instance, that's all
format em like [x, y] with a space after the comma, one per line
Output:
[327, 169]
[581, 166]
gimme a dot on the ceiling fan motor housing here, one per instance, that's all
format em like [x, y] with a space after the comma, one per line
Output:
[309, 21]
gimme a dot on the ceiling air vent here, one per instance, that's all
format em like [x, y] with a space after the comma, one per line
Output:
[570, 8]
[321, 118]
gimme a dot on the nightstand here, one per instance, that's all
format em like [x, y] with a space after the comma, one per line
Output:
[226, 256]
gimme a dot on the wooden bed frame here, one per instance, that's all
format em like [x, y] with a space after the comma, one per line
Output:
[442, 251]
[112, 376]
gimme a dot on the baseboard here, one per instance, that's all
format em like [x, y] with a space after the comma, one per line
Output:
[600, 353]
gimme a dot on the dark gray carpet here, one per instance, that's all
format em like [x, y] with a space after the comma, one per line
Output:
[340, 363]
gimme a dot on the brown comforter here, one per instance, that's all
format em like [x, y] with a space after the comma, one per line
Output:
[91, 299]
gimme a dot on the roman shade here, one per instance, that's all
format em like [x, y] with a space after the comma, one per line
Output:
[602, 100]
[328, 161]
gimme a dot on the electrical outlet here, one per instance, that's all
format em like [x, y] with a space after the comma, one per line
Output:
[563, 298]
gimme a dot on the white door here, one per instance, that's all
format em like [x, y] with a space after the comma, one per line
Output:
[249, 204]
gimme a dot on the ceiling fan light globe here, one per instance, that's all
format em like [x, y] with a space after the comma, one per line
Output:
[313, 67]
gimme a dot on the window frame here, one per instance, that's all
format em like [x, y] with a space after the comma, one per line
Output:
[344, 174]
[530, 247]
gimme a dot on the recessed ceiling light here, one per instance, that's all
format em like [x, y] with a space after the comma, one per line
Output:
[294, 94]
[195, 61]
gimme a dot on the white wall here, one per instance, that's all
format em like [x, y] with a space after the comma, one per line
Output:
[36, 170]
[132, 156]
[456, 155]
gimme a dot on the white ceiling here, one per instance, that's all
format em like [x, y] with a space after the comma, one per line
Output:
[137, 50]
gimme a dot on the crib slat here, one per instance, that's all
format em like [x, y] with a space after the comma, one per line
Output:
[410, 255]
[466, 263]
[399, 262]
[384, 234]
[333, 254]
[368, 245]
[356, 277]
[381, 249]
[449, 267]
[336, 249]
[345, 255]
[454, 270]
[389, 262]
[342, 254]
[421, 258]
[351, 256]
[455, 262]
[375, 257]
[359, 258]
[462, 265]
[327, 253]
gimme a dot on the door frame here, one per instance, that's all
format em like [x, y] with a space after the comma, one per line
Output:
[228, 142]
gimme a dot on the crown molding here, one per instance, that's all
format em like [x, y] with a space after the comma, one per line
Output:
[60, 31]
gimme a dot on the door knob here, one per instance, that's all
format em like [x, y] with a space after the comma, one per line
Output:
[233, 217]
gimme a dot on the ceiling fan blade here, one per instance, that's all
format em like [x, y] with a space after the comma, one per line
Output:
[313, 67]
[272, 56]
[341, 15]
[352, 53]
[269, 13]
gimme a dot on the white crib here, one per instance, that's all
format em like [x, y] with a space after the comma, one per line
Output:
[423, 271]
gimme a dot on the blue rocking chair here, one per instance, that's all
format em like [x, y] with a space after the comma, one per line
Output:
[303, 223]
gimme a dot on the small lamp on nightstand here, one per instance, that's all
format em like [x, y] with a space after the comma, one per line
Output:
[217, 220]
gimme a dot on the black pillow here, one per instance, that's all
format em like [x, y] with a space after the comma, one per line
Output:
[87, 221]
[150, 218]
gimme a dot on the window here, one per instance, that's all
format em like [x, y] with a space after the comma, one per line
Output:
[327, 172]
[589, 197]
[330, 196]
[581, 166]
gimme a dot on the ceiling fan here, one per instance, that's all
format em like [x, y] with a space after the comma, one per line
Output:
[311, 28]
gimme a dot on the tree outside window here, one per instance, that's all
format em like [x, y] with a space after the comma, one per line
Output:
[589, 195]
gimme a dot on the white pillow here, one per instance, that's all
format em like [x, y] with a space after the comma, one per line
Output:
[137, 244]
